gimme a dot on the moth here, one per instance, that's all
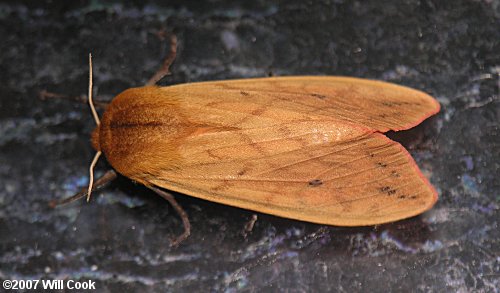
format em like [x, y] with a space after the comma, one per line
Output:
[309, 148]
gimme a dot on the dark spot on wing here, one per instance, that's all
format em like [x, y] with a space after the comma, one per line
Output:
[382, 165]
[319, 96]
[395, 174]
[315, 182]
[242, 172]
[403, 196]
[388, 190]
[243, 93]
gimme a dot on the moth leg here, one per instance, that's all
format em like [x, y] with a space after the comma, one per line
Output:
[180, 211]
[165, 67]
[103, 180]
[44, 95]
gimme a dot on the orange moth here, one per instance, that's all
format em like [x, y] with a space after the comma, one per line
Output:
[309, 148]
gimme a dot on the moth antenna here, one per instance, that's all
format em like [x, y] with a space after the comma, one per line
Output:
[91, 172]
[97, 121]
[91, 102]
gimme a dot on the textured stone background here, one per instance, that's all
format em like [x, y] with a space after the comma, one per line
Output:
[120, 240]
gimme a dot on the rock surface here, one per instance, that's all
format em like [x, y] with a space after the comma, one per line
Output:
[120, 239]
